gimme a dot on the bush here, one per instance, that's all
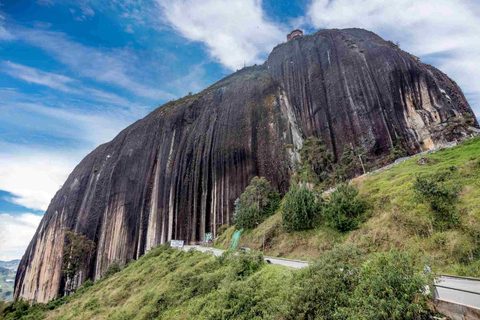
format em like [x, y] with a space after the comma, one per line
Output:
[256, 203]
[442, 199]
[349, 164]
[317, 291]
[299, 210]
[343, 209]
[245, 263]
[342, 285]
[391, 286]
[397, 152]
[112, 269]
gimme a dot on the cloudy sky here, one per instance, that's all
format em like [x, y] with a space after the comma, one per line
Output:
[74, 73]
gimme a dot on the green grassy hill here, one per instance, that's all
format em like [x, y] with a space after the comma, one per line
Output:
[170, 284]
[396, 218]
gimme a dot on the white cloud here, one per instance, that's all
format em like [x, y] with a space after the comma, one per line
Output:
[33, 176]
[62, 83]
[16, 231]
[92, 126]
[36, 76]
[445, 32]
[111, 66]
[4, 33]
[235, 31]
[129, 29]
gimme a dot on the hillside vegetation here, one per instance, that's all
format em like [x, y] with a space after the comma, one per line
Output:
[170, 284]
[398, 215]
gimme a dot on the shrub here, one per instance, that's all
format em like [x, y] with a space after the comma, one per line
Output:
[442, 199]
[245, 263]
[257, 202]
[299, 210]
[317, 291]
[349, 164]
[397, 152]
[317, 161]
[342, 285]
[344, 209]
[391, 286]
[112, 269]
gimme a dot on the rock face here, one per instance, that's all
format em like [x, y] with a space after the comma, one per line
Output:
[176, 173]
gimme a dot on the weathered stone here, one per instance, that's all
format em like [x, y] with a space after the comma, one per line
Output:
[176, 173]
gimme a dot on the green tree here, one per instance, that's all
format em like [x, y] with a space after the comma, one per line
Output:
[349, 164]
[343, 209]
[317, 160]
[257, 202]
[300, 209]
[77, 252]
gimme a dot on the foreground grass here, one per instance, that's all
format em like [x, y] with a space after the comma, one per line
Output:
[395, 217]
[169, 284]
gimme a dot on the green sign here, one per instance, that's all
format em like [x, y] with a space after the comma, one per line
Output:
[236, 239]
[208, 236]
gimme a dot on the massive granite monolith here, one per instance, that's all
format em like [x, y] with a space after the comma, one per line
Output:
[176, 173]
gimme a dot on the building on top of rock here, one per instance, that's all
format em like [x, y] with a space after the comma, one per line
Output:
[294, 34]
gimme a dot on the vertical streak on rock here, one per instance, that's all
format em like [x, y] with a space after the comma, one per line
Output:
[346, 98]
[170, 198]
[325, 103]
[151, 234]
[379, 101]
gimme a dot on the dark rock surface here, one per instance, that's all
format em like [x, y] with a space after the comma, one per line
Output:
[176, 173]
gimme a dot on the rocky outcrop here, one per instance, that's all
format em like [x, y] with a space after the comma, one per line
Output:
[176, 173]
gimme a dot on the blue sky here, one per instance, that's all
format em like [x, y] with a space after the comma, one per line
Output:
[74, 73]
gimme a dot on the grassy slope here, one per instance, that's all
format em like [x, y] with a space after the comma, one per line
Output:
[171, 284]
[395, 218]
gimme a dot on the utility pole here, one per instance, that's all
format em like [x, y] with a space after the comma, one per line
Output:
[362, 164]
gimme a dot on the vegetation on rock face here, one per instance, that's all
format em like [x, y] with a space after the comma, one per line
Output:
[349, 164]
[300, 210]
[317, 163]
[397, 152]
[77, 252]
[170, 284]
[256, 203]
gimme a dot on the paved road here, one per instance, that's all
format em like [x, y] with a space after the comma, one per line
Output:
[297, 264]
[459, 289]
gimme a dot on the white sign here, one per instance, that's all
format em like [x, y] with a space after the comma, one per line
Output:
[176, 243]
